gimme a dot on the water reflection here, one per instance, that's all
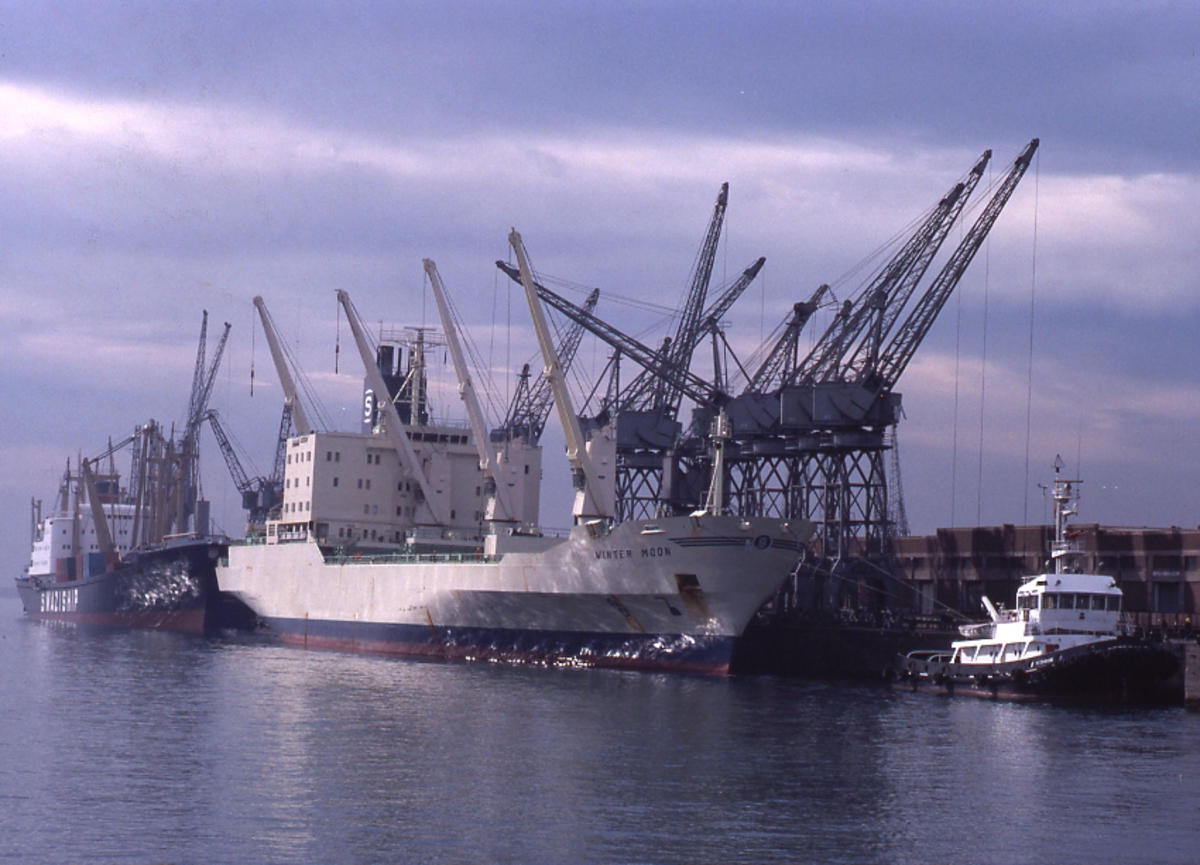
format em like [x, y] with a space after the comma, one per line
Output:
[155, 747]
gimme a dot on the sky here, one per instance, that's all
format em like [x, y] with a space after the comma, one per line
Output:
[161, 160]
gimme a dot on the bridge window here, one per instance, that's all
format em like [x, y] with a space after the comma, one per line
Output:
[987, 653]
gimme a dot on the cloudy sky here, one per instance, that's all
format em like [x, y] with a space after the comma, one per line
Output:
[163, 159]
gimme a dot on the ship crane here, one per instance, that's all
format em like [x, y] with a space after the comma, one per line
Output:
[532, 403]
[298, 417]
[644, 413]
[593, 500]
[503, 508]
[645, 440]
[648, 358]
[104, 539]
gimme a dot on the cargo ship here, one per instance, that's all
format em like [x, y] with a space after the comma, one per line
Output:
[137, 554]
[673, 594]
[84, 568]
[419, 538]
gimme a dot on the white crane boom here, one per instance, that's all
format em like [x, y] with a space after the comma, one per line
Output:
[591, 504]
[466, 390]
[396, 432]
[299, 418]
[104, 540]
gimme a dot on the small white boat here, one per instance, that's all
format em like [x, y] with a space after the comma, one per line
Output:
[1067, 637]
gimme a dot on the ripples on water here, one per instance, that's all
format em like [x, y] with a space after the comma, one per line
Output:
[134, 746]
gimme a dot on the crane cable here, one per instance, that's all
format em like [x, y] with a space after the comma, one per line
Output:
[1032, 298]
[987, 278]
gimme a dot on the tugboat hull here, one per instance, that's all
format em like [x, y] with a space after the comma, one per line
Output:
[1122, 670]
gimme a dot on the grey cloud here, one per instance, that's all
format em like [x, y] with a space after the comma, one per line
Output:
[1107, 82]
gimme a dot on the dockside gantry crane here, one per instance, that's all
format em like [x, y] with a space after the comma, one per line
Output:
[170, 466]
[204, 378]
[814, 444]
[804, 437]
[260, 495]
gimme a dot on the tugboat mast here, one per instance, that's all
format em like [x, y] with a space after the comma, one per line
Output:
[1064, 551]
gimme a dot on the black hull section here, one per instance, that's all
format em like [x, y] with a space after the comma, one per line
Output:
[1124, 671]
[791, 646]
[172, 587]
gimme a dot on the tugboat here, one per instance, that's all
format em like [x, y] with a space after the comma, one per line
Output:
[1066, 639]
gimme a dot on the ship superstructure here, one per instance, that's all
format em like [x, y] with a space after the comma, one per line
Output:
[350, 490]
[65, 542]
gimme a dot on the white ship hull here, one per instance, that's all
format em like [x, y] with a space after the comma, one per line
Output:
[673, 593]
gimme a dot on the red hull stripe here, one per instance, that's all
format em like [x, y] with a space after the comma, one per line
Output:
[191, 621]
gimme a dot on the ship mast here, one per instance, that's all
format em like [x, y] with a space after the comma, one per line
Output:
[393, 426]
[1064, 551]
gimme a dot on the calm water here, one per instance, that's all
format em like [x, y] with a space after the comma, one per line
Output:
[146, 747]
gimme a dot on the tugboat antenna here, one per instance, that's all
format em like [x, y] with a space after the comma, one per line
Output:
[1063, 550]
